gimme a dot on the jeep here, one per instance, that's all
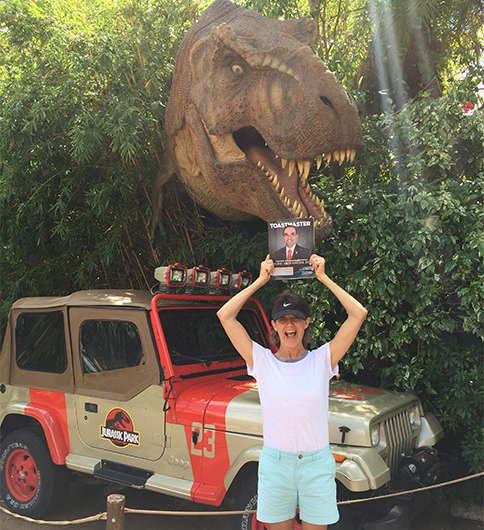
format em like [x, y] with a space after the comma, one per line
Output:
[145, 390]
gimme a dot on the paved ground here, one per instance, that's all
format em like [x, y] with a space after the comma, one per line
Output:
[85, 500]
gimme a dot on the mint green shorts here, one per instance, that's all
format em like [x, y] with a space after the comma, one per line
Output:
[289, 480]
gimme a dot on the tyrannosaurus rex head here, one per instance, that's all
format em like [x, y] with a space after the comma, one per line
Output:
[251, 107]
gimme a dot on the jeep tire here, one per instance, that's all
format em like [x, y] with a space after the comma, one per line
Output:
[246, 499]
[30, 483]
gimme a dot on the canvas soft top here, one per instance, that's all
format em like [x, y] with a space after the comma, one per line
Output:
[119, 298]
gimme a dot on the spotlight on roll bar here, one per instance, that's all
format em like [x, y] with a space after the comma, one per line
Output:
[220, 281]
[171, 277]
[198, 278]
[240, 281]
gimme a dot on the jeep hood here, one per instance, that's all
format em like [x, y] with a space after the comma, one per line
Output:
[234, 406]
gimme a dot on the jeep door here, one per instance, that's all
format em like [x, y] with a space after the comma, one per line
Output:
[118, 396]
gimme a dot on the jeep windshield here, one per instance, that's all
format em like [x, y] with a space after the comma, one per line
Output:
[195, 335]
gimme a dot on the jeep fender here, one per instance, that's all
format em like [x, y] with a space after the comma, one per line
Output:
[362, 468]
[431, 431]
[249, 455]
[51, 425]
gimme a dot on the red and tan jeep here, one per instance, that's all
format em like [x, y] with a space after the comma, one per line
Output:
[146, 390]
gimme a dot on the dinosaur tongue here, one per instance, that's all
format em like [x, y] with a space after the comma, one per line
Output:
[267, 162]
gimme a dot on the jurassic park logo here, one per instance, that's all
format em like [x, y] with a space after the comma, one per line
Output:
[119, 429]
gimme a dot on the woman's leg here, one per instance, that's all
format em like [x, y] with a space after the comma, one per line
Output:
[285, 525]
[289, 525]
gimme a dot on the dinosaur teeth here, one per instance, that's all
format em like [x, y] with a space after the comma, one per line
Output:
[276, 184]
[307, 167]
[342, 155]
[304, 165]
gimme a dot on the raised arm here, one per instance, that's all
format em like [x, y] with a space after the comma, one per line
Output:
[356, 312]
[227, 314]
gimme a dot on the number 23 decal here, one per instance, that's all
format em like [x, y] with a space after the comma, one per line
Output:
[203, 436]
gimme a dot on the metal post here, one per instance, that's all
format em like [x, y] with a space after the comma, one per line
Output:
[115, 512]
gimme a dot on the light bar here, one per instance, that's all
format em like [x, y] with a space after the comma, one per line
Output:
[171, 277]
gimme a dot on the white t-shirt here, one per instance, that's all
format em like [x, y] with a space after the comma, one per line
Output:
[294, 398]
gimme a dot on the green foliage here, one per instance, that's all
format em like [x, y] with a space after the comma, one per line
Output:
[83, 88]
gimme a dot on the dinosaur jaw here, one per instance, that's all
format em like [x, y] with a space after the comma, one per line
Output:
[288, 178]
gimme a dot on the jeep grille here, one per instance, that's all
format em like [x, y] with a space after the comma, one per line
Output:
[398, 435]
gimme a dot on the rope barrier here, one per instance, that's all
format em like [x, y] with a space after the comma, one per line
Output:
[103, 516]
[99, 517]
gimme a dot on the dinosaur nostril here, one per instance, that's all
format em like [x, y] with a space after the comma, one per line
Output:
[326, 102]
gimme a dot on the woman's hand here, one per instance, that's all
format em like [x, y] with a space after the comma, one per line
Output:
[266, 269]
[318, 264]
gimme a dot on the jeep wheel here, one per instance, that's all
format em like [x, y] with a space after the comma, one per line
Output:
[246, 499]
[31, 484]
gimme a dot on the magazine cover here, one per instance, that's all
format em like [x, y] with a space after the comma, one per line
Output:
[291, 244]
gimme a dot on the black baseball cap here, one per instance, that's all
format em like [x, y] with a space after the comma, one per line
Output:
[285, 307]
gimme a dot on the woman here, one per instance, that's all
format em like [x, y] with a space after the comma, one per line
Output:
[296, 467]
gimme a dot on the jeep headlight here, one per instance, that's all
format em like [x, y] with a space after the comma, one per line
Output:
[414, 415]
[375, 434]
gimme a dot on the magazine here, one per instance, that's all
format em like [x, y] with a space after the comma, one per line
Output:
[291, 244]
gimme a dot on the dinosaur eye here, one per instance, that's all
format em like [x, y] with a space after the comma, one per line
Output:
[237, 69]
